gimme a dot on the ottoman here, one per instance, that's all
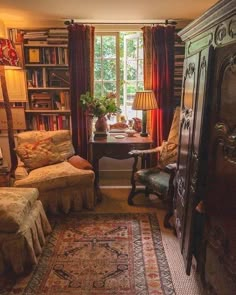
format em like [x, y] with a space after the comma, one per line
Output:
[23, 227]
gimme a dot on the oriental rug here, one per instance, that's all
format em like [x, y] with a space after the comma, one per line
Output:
[99, 254]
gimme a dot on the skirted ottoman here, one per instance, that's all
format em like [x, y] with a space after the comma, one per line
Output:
[23, 227]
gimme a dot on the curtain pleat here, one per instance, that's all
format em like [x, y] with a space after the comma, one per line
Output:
[159, 67]
[81, 63]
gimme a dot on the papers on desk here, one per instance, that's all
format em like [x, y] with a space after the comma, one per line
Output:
[118, 131]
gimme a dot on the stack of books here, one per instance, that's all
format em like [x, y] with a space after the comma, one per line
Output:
[57, 36]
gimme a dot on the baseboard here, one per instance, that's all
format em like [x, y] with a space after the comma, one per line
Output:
[115, 178]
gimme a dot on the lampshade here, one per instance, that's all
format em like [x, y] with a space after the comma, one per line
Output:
[8, 55]
[144, 100]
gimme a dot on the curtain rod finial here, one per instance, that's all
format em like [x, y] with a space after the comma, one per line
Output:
[69, 22]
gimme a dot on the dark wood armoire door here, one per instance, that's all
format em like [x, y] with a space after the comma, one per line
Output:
[190, 171]
[220, 194]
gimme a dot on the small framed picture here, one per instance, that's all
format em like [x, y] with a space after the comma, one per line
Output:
[34, 55]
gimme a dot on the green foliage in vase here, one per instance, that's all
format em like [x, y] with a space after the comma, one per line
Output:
[98, 107]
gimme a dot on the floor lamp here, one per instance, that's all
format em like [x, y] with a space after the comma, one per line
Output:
[144, 100]
[8, 57]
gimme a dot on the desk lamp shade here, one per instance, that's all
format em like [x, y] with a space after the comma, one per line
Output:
[8, 57]
[144, 100]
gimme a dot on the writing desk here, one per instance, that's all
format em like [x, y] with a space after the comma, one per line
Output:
[115, 148]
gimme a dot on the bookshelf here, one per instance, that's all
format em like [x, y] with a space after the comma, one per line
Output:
[45, 61]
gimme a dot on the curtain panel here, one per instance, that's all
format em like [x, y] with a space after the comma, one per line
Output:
[159, 76]
[81, 64]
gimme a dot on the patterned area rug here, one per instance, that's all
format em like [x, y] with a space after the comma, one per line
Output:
[98, 254]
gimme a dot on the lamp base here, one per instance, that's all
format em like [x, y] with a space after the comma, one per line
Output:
[144, 134]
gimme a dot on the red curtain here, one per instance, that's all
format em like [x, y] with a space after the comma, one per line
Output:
[161, 69]
[81, 62]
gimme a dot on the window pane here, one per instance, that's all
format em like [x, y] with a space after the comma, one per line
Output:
[97, 46]
[140, 86]
[97, 70]
[109, 87]
[108, 46]
[140, 70]
[97, 89]
[131, 48]
[140, 48]
[131, 70]
[109, 69]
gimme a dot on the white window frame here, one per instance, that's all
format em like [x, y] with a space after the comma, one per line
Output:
[117, 81]
[116, 34]
[136, 37]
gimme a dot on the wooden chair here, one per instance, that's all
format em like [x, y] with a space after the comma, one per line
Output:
[158, 180]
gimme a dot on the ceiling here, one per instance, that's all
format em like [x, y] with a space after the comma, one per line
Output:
[25, 13]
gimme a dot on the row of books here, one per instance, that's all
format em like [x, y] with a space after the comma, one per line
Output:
[50, 122]
[47, 77]
[46, 55]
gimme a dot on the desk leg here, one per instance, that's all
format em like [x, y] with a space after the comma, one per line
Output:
[96, 181]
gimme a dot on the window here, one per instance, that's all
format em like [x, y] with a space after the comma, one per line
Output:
[118, 68]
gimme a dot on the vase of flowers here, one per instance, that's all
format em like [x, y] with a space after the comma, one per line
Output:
[102, 108]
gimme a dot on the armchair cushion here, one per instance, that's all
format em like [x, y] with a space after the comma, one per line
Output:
[57, 176]
[80, 163]
[154, 178]
[21, 172]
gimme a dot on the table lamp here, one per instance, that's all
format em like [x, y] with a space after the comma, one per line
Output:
[8, 57]
[144, 100]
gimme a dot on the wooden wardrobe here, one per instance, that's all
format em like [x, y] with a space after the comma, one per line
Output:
[205, 191]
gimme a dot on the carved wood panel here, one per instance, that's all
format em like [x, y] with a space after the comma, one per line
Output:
[221, 188]
[185, 143]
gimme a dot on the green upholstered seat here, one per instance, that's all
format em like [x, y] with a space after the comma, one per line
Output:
[155, 179]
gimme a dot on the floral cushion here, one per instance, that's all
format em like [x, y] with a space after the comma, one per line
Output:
[40, 153]
[15, 205]
[56, 176]
[60, 142]
[168, 153]
[174, 129]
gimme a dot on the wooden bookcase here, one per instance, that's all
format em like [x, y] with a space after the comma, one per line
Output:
[45, 60]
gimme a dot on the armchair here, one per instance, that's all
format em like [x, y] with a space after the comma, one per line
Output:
[47, 162]
[158, 180]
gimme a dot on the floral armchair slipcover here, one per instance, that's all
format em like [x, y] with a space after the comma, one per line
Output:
[47, 162]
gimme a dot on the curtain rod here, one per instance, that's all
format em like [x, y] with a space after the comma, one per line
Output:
[164, 22]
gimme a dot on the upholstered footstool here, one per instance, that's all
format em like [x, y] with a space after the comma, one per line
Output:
[23, 227]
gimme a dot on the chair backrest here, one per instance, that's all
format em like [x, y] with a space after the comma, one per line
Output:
[174, 129]
[169, 149]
